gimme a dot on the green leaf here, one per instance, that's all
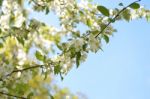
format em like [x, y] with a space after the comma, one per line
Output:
[59, 46]
[39, 56]
[95, 32]
[1, 45]
[81, 13]
[47, 10]
[103, 26]
[148, 18]
[126, 15]
[45, 75]
[135, 6]
[106, 38]
[1, 2]
[21, 40]
[84, 47]
[120, 4]
[89, 23]
[62, 78]
[57, 69]
[73, 53]
[20, 2]
[112, 20]
[51, 97]
[103, 10]
[78, 56]
[30, 95]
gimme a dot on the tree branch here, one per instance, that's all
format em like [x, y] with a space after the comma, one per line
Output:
[7, 94]
[20, 70]
[116, 17]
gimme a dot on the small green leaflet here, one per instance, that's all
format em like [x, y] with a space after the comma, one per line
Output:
[51, 97]
[89, 23]
[135, 6]
[1, 1]
[57, 69]
[84, 47]
[30, 95]
[62, 78]
[112, 20]
[120, 4]
[46, 10]
[126, 15]
[78, 56]
[148, 18]
[103, 10]
[1, 45]
[39, 56]
[21, 40]
[81, 13]
[106, 38]
[45, 75]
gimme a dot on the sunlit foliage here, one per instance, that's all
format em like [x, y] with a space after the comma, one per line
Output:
[31, 50]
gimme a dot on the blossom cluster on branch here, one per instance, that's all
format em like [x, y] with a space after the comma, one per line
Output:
[29, 47]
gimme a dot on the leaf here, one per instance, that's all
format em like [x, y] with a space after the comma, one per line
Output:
[45, 75]
[1, 45]
[73, 53]
[148, 18]
[81, 13]
[78, 56]
[103, 10]
[135, 6]
[89, 23]
[57, 69]
[62, 78]
[120, 4]
[112, 20]
[1, 2]
[84, 47]
[51, 97]
[30, 95]
[21, 40]
[46, 10]
[106, 38]
[103, 26]
[95, 32]
[20, 2]
[39, 56]
[126, 15]
[59, 46]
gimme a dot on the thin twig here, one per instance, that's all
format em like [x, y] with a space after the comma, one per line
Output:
[118, 14]
[15, 96]
[20, 70]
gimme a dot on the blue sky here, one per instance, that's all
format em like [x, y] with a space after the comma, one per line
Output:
[122, 70]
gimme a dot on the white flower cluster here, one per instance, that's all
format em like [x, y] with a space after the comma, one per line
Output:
[73, 45]
[12, 11]
[22, 57]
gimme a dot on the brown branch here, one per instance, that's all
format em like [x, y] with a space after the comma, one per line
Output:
[20, 70]
[10, 95]
[118, 14]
